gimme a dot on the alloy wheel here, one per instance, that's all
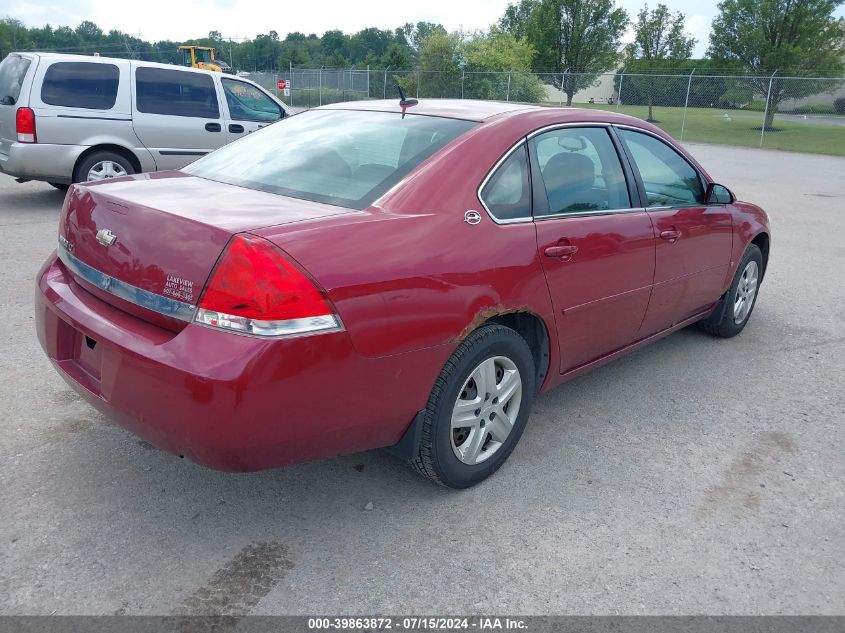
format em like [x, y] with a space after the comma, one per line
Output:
[745, 292]
[486, 410]
[106, 169]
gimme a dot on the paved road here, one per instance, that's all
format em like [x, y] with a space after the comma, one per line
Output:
[694, 476]
[812, 119]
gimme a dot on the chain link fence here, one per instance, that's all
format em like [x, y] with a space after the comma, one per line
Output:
[791, 113]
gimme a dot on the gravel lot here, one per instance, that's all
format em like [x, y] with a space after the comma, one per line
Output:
[694, 476]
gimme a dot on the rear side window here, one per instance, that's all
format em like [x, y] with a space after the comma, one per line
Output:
[176, 92]
[81, 85]
[507, 195]
[12, 73]
[581, 171]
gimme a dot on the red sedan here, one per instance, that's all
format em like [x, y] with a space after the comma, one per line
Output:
[374, 275]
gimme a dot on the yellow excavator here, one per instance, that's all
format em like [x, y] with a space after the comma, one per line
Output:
[203, 57]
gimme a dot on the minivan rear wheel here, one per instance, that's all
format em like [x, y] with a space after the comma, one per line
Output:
[101, 166]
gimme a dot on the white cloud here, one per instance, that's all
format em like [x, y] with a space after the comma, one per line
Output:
[698, 26]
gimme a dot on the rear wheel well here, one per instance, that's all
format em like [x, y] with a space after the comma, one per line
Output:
[533, 330]
[761, 240]
[114, 149]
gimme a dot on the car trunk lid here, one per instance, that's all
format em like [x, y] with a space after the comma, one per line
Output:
[147, 244]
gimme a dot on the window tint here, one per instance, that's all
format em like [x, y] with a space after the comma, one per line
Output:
[176, 92]
[81, 85]
[507, 194]
[668, 178]
[12, 73]
[248, 103]
[581, 170]
[339, 157]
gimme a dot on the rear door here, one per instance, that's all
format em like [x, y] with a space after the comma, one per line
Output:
[15, 73]
[176, 114]
[247, 108]
[693, 240]
[595, 244]
[78, 100]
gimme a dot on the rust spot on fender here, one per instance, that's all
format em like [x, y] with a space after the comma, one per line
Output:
[485, 315]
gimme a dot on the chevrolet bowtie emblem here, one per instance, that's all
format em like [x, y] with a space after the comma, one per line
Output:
[106, 237]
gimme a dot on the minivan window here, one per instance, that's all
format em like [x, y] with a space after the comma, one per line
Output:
[339, 157]
[176, 93]
[12, 73]
[248, 103]
[81, 85]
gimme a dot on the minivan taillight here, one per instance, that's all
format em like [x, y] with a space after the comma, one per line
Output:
[25, 125]
[255, 290]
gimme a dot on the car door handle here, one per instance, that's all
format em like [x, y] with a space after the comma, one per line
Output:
[234, 128]
[670, 235]
[212, 127]
[560, 250]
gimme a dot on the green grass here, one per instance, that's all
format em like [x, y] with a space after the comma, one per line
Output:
[708, 125]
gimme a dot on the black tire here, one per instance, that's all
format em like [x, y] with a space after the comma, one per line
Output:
[59, 185]
[436, 458]
[80, 173]
[722, 322]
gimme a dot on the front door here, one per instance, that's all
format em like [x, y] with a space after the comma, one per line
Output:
[693, 240]
[176, 115]
[596, 246]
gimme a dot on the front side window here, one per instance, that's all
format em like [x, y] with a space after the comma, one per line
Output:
[507, 194]
[81, 85]
[669, 180]
[176, 93]
[341, 157]
[581, 171]
[248, 103]
[12, 73]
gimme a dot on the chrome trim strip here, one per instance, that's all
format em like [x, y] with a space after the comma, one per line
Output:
[127, 292]
[591, 212]
[555, 126]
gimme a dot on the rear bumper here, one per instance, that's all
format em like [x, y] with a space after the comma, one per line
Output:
[41, 161]
[227, 401]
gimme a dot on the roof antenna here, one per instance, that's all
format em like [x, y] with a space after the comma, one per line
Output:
[403, 102]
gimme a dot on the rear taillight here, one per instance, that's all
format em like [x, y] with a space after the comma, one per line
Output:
[255, 290]
[25, 125]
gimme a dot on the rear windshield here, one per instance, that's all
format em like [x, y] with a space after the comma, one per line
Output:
[81, 85]
[338, 157]
[12, 72]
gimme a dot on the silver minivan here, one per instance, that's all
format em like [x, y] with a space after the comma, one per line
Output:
[72, 118]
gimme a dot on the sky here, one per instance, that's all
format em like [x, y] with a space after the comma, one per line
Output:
[164, 19]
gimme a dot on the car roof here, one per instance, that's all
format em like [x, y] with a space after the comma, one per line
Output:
[472, 110]
[469, 110]
[122, 60]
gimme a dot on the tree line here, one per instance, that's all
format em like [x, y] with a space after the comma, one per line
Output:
[573, 40]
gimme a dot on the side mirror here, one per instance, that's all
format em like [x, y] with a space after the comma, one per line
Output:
[718, 194]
